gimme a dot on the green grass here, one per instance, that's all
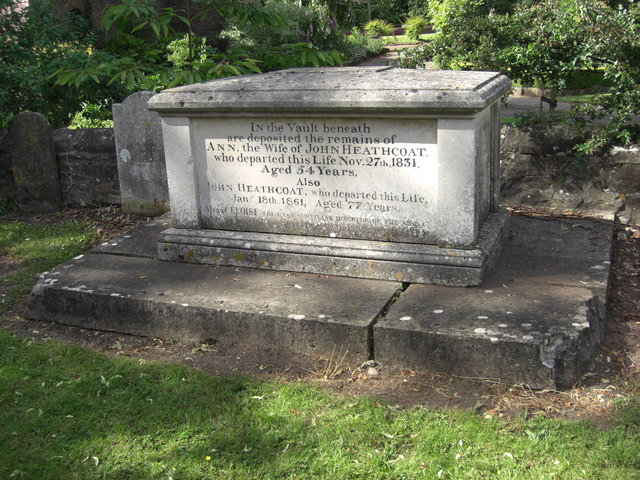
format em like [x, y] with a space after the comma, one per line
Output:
[69, 413]
[37, 247]
[66, 412]
[587, 79]
[508, 120]
[576, 98]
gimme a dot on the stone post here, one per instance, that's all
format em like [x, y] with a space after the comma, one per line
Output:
[141, 166]
[35, 170]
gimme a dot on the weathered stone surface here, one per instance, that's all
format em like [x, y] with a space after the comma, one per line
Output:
[141, 165]
[537, 318]
[539, 169]
[143, 296]
[336, 155]
[622, 179]
[138, 242]
[87, 165]
[404, 262]
[339, 90]
[35, 170]
[7, 193]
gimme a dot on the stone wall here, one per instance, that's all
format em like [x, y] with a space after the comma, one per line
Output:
[82, 166]
[539, 169]
[87, 166]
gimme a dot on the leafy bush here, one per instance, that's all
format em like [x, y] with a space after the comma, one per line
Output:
[176, 60]
[378, 28]
[307, 36]
[444, 13]
[93, 115]
[35, 44]
[416, 57]
[363, 46]
[415, 26]
[418, 8]
[394, 11]
[186, 49]
[549, 44]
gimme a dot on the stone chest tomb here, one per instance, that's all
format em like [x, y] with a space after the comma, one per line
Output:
[379, 173]
[385, 174]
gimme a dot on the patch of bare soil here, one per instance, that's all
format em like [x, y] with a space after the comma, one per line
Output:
[616, 374]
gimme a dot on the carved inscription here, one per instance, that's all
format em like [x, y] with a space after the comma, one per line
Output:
[349, 178]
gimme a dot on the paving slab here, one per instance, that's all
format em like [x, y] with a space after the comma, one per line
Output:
[141, 241]
[536, 320]
[310, 314]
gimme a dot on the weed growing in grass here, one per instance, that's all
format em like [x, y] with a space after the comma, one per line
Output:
[69, 413]
[333, 366]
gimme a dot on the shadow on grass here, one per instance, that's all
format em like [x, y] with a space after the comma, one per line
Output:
[66, 412]
[69, 413]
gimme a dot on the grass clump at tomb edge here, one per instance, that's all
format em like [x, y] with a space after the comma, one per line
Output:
[66, 412]
[34, 248]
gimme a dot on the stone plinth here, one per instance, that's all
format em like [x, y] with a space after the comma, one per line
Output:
[372, 172]
[537, 319]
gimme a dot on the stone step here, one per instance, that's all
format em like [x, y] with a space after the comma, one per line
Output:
[536, 320]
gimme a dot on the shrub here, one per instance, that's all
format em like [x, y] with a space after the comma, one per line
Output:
[363, 45]
[35, 44]
[549, 43]
[444, 13]
[151, 69]
[187, 49]
[307, 36]
[93, 115]
[416, 57]
[418, 8]
[391, 11]
[415, 26]
[378, 28]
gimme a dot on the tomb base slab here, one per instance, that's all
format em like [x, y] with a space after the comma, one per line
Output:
[405, 262]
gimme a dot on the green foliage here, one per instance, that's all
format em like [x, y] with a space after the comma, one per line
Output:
[550, 43]
[93, 115]
[53, 67]
[415, 26]
[418, 8]
[307, 36]
[416, 57]
[171, 60]
[378, 28]
[363, 45]
[390, 11]
[187, 48]
[443, 13]
[404, 40]
[585, 79]
[34, 45]
[355, 13]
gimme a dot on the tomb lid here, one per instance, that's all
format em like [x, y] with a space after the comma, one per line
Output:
[339, 90]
